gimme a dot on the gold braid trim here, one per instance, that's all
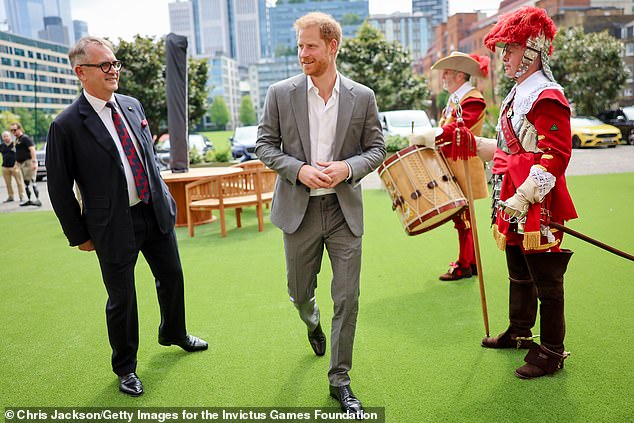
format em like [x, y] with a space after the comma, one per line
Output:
[465, 220]
[500, 238]
[531, 240]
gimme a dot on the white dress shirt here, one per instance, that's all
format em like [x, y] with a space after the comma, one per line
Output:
[105, 114]
[322, 122]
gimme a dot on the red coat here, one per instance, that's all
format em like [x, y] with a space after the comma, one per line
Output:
[550, 114]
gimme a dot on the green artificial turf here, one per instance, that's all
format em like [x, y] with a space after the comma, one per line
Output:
[417, 349]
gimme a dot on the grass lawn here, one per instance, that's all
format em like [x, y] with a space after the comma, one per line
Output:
[417, 350]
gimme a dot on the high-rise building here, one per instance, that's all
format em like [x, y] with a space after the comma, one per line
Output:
[266, 72]
[43, 19]
[54, 31]
[35, 74]
[80, 29]
[439, 9]
[182, 22]
[349, 13]
[244, 31]
[412, 30]
[228, 27]
[223, 80]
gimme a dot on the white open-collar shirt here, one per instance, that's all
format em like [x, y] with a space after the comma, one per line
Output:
[322, 123]
[105, 114]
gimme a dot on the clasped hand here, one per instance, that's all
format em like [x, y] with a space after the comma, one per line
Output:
[329, 177]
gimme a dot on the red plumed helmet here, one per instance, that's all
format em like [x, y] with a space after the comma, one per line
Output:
[483, 61]
[520, 25]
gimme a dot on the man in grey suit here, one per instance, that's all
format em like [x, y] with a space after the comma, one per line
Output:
[321, 133]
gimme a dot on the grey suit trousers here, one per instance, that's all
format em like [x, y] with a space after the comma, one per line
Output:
[324, 225]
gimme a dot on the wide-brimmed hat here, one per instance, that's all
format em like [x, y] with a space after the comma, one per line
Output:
[470, 64]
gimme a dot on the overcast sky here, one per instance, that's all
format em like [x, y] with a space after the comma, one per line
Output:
[125, 18]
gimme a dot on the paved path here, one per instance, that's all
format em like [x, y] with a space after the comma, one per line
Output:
[584, 162]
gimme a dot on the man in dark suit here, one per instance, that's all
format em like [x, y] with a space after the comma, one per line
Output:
[321, 133]
[102, 143]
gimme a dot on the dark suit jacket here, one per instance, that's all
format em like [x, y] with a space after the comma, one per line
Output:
[79, 148]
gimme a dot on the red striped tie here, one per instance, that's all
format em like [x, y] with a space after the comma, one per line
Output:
[140, 178]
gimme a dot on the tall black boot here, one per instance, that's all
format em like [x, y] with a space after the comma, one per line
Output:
[522, 304]
[548, 271]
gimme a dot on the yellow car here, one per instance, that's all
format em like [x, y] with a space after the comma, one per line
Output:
[589, 131]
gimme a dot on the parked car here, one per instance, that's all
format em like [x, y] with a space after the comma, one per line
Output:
[162, 148]
[404, 122]
[243, 143]
[589, 131]
[41, 163]
[622, 118]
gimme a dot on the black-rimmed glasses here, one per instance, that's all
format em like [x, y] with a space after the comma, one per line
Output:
[105, 66]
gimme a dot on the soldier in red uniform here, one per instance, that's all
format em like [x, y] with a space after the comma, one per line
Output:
[533, 151]
[457, 69]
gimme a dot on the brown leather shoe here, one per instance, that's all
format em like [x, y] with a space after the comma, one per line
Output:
[541, 361]
[456, 272]
[508, 340]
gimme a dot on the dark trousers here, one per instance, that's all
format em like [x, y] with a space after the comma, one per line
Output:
[161, 253]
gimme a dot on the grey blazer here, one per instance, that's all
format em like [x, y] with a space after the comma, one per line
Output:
[284, 145]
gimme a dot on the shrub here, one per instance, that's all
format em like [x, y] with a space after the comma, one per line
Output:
[194, 156]
[395, 143]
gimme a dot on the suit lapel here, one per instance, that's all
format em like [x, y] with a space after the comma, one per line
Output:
[299, 106]
[347, 101]
[93, 123]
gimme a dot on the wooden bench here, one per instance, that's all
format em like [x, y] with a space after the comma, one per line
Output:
[250, 187]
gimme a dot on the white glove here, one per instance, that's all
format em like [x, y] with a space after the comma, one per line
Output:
[485, 148]
[526, 194]
[425, 137]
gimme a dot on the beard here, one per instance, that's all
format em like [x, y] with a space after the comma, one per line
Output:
[317, 68]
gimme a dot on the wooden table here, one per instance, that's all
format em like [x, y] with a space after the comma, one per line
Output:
[176, 183]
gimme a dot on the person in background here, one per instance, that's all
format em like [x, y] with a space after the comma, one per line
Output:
[10, 169]
[27, 159]
[102, 142]
[456, 72]
[321, 133]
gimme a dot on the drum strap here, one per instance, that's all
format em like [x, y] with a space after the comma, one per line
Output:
[512, 142]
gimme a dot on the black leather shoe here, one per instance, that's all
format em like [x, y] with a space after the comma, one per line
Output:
[191, 343]
[317, 341]
[349, 403]
[131, 384]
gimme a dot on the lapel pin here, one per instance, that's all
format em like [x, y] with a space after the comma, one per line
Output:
[130, 108]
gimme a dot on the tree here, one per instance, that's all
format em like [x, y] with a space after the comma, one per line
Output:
[219, 113]
[590, 67]
[26, 117]
[350, 19]
[385, 67]
[143, 77]
[7, 118]
[247, 113]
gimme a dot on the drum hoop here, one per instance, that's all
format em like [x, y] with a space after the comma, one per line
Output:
[459, 206]
[401, 153]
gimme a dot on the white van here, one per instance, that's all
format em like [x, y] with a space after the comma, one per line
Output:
[404, 122]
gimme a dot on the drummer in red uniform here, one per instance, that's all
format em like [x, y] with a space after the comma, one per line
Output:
[533, 151]
[457, 69]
